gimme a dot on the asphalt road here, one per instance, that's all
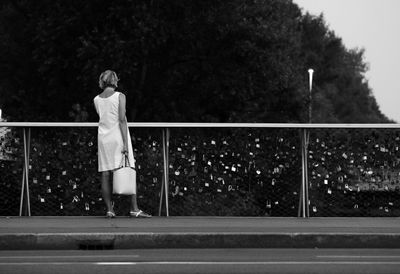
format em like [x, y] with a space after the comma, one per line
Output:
[203, 261]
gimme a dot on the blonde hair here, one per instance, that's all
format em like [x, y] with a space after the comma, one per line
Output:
[108, 79]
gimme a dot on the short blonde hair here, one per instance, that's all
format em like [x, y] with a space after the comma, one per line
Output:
[108, 79]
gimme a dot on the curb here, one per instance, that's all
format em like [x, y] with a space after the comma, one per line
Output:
[101, 241]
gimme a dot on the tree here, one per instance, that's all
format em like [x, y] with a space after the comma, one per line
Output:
[341, 92]
[237, 61]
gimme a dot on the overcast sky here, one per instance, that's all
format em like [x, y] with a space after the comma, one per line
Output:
[375, 26]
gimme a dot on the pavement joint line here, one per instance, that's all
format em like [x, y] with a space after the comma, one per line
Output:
[69, 256]
[262, 263]
[208, 263]
[200, 233]
[356, 257]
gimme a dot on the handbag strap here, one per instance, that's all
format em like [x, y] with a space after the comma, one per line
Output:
[127, 163]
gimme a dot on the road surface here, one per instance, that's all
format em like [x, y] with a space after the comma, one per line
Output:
[203, 261]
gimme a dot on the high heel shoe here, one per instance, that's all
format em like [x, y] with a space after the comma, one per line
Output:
[110, 214]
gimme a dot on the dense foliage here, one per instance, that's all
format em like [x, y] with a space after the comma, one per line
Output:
[209, 60]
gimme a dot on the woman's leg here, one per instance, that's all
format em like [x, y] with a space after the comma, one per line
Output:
[134, 206]
[105, 178]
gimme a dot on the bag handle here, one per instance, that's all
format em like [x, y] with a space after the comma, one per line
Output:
[127, 163]
[124, 157]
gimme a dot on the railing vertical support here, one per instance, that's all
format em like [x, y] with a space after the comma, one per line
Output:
[164, 187]
[307, 143]
[163, 176]
[167, 169]
[303, 177]
[161, 194]
[25, 205]
[304, 201]
[22, 190]
[300, 210]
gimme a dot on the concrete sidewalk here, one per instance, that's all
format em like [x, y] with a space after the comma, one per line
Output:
[196, 232]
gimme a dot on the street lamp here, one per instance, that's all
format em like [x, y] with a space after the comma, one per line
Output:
[304, 200]
[310, 74]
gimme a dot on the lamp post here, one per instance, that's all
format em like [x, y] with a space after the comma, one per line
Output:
[306, 146]
[310, 74]
[304, 199]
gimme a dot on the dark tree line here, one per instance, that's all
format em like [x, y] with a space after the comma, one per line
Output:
[207, 61]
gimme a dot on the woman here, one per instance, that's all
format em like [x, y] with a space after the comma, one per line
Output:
[114, 141]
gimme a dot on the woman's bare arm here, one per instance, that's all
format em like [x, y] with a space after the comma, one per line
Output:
[122, 121]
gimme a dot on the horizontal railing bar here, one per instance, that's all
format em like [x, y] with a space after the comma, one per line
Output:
[209, 125]
[46, 124]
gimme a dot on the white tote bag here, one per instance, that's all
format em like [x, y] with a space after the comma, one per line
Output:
[124, 178]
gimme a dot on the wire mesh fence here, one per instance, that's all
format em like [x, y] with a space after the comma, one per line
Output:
[234, 172]
[11, 163]
[212, 171]
[218, 172]
[63, 177]
[354, 172]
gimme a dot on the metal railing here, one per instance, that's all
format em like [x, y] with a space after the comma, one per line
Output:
[304, 141]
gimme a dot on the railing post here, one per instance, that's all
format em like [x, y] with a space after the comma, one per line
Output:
[22, 190]
[300, 210]
[161, 194]
[25, 205]
[303, 200]
[303, 176]
[307, 143]
[166, 168]
[165, 181]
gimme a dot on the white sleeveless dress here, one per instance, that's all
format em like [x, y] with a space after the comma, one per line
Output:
[110, 143]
